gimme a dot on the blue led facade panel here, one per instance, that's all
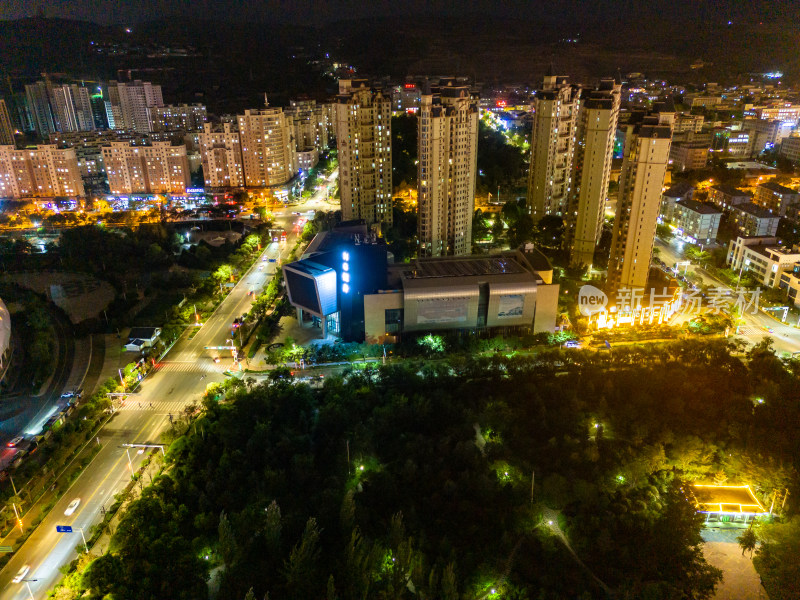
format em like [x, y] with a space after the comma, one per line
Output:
[312, 287]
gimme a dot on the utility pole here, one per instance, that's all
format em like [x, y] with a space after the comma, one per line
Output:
[85, 545]
[533, 475]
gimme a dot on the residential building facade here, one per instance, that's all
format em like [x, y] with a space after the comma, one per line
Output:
[130, 104]
[186, 117]
[689, 156]
[268, 147]
[644, 165]
[38, 101]
[776, 198]
[726, 196]
[221, 155]
[763, 258]
[310, 125]
[555, 112]
[159, 168]
[447, 134]
[697, 221]
[753, 220]
[682, 190]
[595, 131]
[6, 126]
[364, 140]
[72, 108]
[790, 148]
[44, 171]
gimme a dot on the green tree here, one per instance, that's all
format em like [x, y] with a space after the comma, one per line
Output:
[748, 540]
[227, 540]
[301, 568]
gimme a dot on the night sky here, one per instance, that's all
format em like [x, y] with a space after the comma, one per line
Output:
[320, 12]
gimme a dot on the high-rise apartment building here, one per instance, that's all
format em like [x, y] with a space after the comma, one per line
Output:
[38, 100]
[221, 154]
[310, 124]
[129, 104]
[364, 139]
[555, 111]
[268, 147]
[186, 117]
[72, 108]
[644, 165]
[596, 128]
[447, 134]
[160, 168]
[41, 172]
[6, 127]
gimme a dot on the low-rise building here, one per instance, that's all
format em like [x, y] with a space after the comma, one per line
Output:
[753, 220]
[726, 196]
[766, 134]
[790, 149]
[776, 198]
[682, 190]
[763, 257]
[689, 156]
[688, 122]
[697, 221]
[733, 505]
[739, 144]
[345, 285]
[306, 159]
[790, 281]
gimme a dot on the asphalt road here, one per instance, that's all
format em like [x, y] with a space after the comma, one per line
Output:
[179, 381]
[756, 326]
[26, 412]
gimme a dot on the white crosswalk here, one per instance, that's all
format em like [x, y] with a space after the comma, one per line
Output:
[165, 407]
[174, 366]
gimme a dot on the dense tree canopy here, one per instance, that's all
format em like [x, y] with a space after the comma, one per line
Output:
[559, 475]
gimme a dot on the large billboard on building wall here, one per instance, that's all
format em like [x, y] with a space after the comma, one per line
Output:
[510, 306]
[442, 310]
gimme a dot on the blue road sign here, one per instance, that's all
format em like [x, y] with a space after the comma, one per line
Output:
[63, 529]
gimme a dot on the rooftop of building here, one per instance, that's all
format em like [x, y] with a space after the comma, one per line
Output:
[354, 231]
[512, 266]
[704, 208]
[463, 266]
[308, 267]
[726, 499]
[777, 188]
[679, 189]
[749, 165]
[757, 211]
[729, 190]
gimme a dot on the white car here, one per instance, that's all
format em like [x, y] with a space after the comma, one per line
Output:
[72, 507]
[13, 443]
[21, 573]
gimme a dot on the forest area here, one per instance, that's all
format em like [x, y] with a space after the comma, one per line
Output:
[560, 475]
